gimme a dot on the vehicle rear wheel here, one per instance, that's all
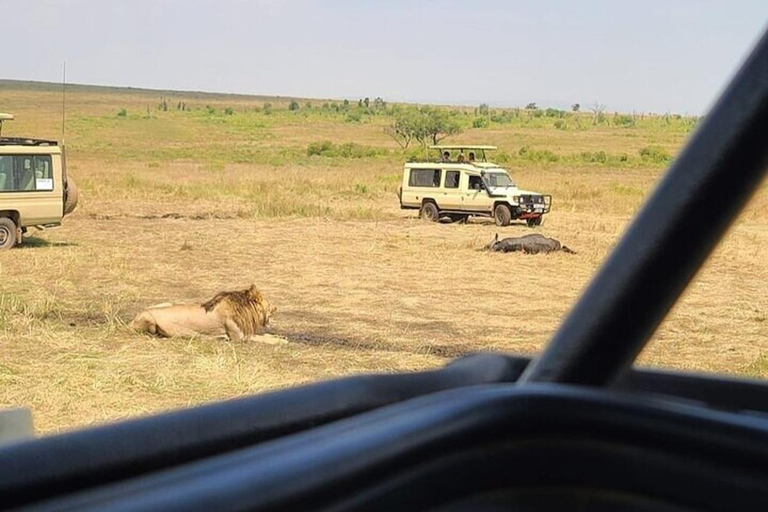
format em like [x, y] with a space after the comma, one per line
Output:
[7, 233]
[533, 222]
[429, 211]
[502, 215]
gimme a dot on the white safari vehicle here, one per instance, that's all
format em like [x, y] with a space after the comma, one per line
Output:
[34, 189]
[462, 183]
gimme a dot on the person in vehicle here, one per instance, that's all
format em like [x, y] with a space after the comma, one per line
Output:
[446, 156]
[471, 157]
[461, 159]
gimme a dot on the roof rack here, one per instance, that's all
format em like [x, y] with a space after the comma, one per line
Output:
[22, 141]
[464, 146]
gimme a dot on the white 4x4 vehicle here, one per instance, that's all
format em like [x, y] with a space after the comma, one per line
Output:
[465, 186]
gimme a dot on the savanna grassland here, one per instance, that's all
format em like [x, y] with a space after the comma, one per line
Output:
[186, 194]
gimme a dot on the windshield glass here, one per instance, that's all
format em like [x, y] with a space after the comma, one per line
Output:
[498, 179]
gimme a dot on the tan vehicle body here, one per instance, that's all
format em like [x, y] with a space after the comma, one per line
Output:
[459, 190]
[33, 188]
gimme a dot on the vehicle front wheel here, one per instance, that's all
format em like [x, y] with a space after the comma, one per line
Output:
[429, 212]
[502, 215]
[7, 233]
[532, 223]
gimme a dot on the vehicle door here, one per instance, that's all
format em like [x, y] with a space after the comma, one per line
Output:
[474, 194]
[451, 191]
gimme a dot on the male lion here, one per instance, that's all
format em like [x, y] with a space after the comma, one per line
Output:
[237, 315]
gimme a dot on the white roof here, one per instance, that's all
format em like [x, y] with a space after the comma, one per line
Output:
[6, 117]
[464, 146]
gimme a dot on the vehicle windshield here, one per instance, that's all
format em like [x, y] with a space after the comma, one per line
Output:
[498, 179]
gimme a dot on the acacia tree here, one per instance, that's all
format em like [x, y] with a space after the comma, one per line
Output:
[428, 125]
[401, 130]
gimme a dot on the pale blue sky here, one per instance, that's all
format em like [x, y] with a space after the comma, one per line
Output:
[671, 55]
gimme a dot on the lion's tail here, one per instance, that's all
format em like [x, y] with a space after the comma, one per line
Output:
[567, 249]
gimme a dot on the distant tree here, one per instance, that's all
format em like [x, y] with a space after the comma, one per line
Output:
[427, 125]
[345, 105]
[575, 107]
[367, 102]
[308, 106]
[435, 125]
[532, 106]
[483, 110]
[401, 130]
[598, 109]
[360, 103]
[294, 105]
[379, 104]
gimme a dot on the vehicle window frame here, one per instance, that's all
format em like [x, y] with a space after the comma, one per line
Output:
[435, 182]
[15, 164]
[458, 179]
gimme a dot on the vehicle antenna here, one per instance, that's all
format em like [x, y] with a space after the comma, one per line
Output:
[63, 101]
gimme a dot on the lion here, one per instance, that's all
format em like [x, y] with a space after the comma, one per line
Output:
[237, 315]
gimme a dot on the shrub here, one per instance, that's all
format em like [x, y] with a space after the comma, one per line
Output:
[267, 108]
[210, 109]
[480, 122]
[319, 148]
[354, 116]
[122, 113]
[294, 105]
[560, 124]
[534, 155]
[229, 111]
[655, 154]
[623, 120]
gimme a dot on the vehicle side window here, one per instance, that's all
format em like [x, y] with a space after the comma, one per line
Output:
[6, 173]
[425, 178]
[22, 173]
[452, 179]
[475, 183]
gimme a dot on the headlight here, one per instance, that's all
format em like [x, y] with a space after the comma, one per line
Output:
[516, 199]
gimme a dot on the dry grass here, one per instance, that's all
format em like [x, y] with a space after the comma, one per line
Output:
[169, 214]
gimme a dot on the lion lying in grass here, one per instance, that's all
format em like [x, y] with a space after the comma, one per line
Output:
[237, 315]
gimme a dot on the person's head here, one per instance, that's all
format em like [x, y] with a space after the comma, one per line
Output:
[461, 158]
[446, 155]
[471, 156]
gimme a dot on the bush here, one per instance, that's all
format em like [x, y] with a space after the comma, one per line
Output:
[294, 105]
[534, 155]
[319, 148]
[480, 122]
[122, 113]
[347, 150]
[229, 111]
[623, 120]
[560, 124]
[267, 108]
[354, 116]
[655, 154]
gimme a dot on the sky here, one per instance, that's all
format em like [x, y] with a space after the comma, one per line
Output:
[651, 56]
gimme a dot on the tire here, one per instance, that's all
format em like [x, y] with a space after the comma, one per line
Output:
[532, 223]
[7, 233]
[70, 201]
[502, 215]
[429, 211]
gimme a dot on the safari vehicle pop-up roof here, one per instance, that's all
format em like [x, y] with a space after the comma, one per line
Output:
[577, 427]
[479, 150]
